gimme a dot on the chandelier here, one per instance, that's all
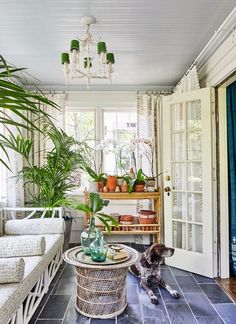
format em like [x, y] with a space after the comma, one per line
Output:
[80, 63]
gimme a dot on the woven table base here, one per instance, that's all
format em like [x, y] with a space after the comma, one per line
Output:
[101, 293]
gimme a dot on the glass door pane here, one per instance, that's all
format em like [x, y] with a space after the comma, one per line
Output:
[187, 176]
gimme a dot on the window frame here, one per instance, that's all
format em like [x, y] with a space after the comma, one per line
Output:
[99, 130]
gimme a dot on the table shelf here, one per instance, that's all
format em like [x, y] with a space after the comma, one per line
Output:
[141, 229]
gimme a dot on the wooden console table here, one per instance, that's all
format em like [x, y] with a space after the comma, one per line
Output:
[154, 229]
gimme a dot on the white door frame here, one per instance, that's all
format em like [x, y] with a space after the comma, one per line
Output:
[213, 185]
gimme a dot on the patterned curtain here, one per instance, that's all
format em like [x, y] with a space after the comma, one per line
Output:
[189, 81]
[148, 126]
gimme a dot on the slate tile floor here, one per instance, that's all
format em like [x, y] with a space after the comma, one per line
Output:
[201, 301]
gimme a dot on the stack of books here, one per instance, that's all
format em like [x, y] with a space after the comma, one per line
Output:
[116, 252]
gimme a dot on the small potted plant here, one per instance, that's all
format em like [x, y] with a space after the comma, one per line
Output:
[98, 179]
[139, 182]
[94, 208]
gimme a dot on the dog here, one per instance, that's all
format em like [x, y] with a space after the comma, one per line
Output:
[148, 267]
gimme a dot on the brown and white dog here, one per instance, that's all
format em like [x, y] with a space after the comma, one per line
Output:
[149, 266]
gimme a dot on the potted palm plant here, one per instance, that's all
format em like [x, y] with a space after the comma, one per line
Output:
[52, 182]
[94, 208]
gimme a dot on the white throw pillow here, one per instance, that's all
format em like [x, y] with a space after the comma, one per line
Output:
[23, 245]
[35, 226]
[11, 270]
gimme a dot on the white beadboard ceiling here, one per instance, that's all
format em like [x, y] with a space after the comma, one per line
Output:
[154, 41]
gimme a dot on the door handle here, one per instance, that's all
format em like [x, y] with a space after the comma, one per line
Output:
[167, 189]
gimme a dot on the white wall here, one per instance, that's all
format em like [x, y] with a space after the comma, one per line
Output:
[219, 59]
[101, 99]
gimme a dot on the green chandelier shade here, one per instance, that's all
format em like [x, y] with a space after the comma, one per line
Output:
[110, 58]
[86, 62]
[101, 47]
[65, 58]
[74, 44]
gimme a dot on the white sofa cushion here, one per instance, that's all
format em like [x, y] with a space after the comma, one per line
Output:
[23, 245]
[12, 295]
[11, 270]
[35, 226]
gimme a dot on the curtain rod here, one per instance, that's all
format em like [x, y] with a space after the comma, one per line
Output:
[164, 93]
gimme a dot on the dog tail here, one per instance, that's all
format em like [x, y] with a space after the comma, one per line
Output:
[133, 269]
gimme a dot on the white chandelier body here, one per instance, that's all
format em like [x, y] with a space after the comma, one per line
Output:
[79, 65]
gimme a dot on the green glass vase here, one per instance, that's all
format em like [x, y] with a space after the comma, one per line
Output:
[88, 236]
[98, 248]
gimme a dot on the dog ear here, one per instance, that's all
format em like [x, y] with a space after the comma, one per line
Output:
[144, 263]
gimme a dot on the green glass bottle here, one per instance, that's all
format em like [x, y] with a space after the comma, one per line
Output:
[98, 248]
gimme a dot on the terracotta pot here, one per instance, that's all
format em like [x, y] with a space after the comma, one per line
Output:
[124, 186]
[139, 187]
[111, 183]
[127, 218]
[100, 186]
[147, 216]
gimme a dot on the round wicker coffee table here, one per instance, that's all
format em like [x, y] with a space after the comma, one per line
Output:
[101, 289]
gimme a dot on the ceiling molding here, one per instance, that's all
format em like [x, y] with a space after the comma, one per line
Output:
[101, 88]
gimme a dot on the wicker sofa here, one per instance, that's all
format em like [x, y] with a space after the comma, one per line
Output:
[19, 300]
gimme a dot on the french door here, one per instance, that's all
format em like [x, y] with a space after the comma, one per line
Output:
[187, 171]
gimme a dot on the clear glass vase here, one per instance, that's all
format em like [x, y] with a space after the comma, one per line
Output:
[98, 248]
[88, 236]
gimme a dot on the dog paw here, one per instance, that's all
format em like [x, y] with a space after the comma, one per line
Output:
[154, 300]
[175, 294]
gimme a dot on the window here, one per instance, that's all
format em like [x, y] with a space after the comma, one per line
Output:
[81, 124]
[120, 126]
[116, 127]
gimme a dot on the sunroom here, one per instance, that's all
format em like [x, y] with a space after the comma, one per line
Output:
[118, 162]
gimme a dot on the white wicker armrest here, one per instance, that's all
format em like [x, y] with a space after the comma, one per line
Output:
[11, 270]
[24, 245]
[35, 226]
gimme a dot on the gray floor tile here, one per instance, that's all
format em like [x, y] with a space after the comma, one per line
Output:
[48, 322]
[179, 272]
[132, 294]
[151, 310]
[68, 272]
[200, 305]
[209, 320]
[215, 293]
[188, 284]
[227, 312]
[55, 307]
[180, 314]
[65, 286]
[72, 316]
[131, 315]
[102, 321]
[167, 276]
[202, 279]
[155, 320]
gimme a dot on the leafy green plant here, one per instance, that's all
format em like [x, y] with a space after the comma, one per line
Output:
[130, 182]
[95, 206]
[140, 178]
[16, 103]
[53, 180]
[95, 176]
